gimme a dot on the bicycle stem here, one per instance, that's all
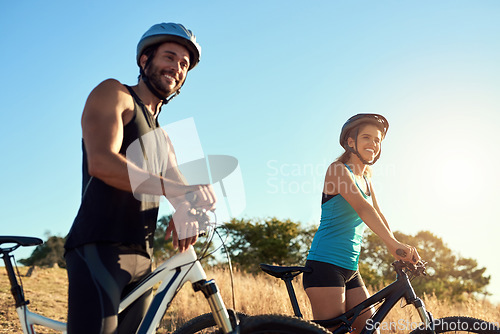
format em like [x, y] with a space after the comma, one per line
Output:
[219, 311]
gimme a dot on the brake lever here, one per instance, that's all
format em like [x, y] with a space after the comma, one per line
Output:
[200, 215]
[421, 267]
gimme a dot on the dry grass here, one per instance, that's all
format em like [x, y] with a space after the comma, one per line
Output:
[260, 294]
[47, 291]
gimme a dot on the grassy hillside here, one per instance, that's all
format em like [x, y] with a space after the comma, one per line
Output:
[47, 291]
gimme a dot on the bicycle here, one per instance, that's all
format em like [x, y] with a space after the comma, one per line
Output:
[172, 275]
[387, 297]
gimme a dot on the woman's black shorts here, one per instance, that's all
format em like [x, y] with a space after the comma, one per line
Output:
[329, 275]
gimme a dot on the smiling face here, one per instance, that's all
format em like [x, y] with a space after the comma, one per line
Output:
[168, 68]
[368, 143]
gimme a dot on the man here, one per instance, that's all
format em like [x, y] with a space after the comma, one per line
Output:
[109, 247]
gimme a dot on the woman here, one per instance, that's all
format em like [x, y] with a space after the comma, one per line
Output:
[349, 203]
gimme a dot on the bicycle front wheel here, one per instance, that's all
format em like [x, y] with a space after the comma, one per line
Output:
[461, 325]
[205, 324]
[279, 324]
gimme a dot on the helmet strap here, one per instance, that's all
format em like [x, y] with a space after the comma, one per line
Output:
[152, 89]
[355, 151]
[164, 100]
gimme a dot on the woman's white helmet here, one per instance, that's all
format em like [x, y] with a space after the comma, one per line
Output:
[170, 32]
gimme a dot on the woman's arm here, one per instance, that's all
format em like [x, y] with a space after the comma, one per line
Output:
[376, 206]
[339, 180]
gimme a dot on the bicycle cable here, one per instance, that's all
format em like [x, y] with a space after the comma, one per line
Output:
[418, 270]
[228, 256]
[230, 270]
[204, 254]
[191, 264]
[379, 304]
[25, 309]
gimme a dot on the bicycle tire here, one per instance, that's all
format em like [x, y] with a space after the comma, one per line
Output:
[279, 324]
[461, 325]
[205, 323]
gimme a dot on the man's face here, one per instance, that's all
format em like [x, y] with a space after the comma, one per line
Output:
[168, 69]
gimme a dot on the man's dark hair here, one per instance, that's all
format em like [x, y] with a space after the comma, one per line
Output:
[150, 52]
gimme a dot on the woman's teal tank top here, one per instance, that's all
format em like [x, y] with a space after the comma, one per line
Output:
[340, 233]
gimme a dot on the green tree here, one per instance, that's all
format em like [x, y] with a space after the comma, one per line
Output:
[449, 275]
[48, 254]
[272, 241]
[162, 249]
[52, 251]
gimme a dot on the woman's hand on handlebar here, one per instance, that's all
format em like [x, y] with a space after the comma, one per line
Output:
[406, 253]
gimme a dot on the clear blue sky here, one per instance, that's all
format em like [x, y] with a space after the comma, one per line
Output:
[276, 81]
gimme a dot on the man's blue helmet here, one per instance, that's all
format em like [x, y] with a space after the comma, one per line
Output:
[171, 32]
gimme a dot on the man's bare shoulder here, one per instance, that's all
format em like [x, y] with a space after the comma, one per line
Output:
[110, 95]
[110, 86]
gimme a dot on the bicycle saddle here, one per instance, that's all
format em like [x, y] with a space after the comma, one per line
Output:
[21, 241]
[283, 271]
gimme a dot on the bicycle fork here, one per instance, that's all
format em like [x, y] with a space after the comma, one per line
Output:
[425, 316]
[219, 311]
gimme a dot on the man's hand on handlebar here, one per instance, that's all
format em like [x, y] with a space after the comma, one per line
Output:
[190, 216]
[202, 198]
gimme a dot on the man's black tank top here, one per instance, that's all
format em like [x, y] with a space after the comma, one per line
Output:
[108, 214]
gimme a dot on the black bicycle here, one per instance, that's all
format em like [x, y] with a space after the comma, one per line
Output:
[386, 299]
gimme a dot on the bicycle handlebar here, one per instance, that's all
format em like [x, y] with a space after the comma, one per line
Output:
[415, 269]
[201, 215]
[401, 252]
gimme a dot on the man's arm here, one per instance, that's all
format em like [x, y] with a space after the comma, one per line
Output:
[102, 124]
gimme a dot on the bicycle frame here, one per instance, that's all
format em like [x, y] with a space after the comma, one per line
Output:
[173, 274]
[29, 319]
[389, 296]
[401, 288]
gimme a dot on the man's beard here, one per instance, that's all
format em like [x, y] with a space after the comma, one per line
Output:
[155, 78]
